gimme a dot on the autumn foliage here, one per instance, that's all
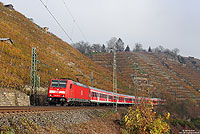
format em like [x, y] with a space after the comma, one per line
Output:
[141, 119]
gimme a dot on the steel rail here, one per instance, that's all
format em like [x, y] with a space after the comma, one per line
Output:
[33, 109]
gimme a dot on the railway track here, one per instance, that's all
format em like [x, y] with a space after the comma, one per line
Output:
[33, 109]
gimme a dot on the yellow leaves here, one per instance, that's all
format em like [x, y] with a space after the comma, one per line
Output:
[126, 118]
[167, 116]
[142, 119]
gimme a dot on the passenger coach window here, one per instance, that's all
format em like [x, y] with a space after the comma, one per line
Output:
[121, 98]
[103, 96]
[94, 94]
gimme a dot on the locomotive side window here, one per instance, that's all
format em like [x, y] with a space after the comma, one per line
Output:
[70, 86]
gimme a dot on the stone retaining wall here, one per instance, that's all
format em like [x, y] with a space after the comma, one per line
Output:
[9, 97]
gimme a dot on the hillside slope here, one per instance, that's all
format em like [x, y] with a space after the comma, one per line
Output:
[165, 76]
[57, 58]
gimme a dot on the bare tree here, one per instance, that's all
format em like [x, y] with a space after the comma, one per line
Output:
[96, 48]
[167, 51]
[159, 49]
[175, 51]
[82, 46]
[111, 43]
[138, 47]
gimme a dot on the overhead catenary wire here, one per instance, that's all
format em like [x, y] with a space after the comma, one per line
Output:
[72, 29]
[74, 20]
[57, 21]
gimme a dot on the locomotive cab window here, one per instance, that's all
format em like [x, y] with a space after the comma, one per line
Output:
[58, 83]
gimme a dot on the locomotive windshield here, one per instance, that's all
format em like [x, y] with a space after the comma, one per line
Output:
[58, 83]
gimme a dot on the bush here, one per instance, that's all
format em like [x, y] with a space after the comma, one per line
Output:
[196, 122]
[142, 120]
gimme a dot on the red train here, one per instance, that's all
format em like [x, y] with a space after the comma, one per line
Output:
[68, 92]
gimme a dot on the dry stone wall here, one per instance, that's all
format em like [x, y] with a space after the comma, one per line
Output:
[13, 98]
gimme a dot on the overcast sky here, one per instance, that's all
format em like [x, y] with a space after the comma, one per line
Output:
[170, 23]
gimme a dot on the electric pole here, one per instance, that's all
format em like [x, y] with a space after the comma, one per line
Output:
[158, 96]
[91, 79]
[149, 94]
[175, 96]
[136, 87]
[130, 92]
[114, 77]
[35, 79]
[153, 93]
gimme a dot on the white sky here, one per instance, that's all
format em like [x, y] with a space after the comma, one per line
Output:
[170, 23]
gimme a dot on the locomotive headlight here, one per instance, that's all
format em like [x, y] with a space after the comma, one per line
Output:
[51, 94]
[62, 95]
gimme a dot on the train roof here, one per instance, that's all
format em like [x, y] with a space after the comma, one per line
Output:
[100, 90]
[76, 83]
[110, 92]
[59, 79]
[80, 84]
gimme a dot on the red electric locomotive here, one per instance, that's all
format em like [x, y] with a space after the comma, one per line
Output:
[65, 91]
